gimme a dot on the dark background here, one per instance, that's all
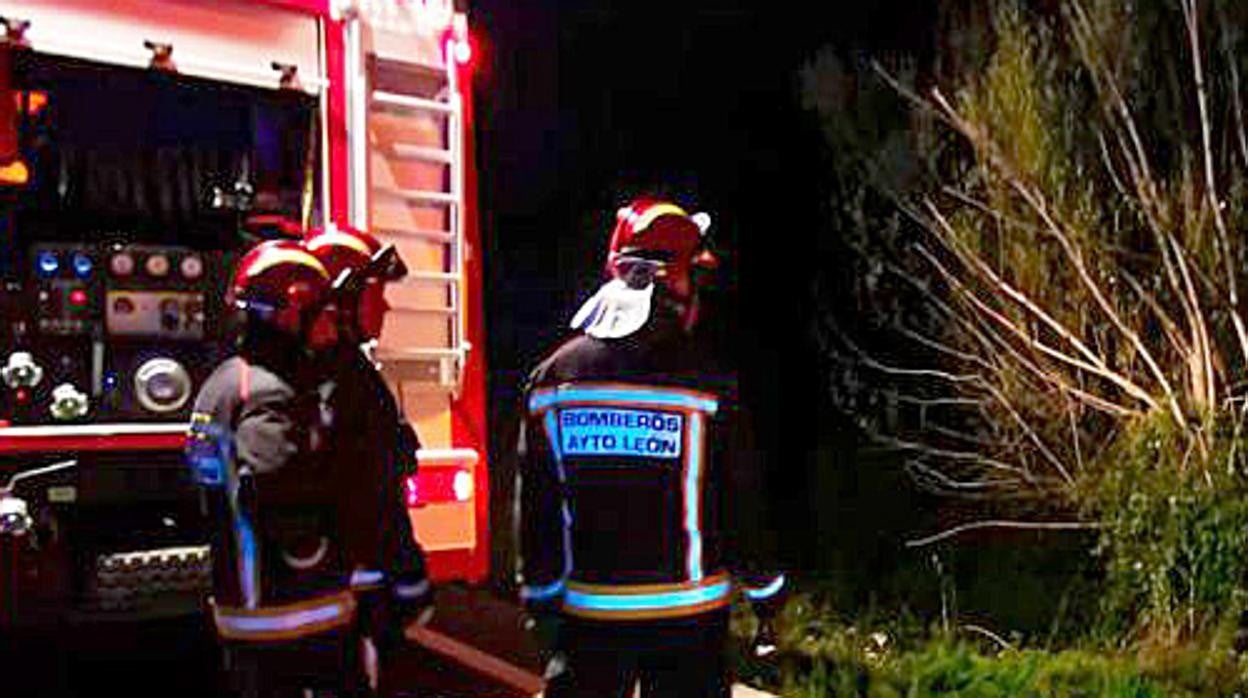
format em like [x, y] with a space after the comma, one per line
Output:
[581, 105]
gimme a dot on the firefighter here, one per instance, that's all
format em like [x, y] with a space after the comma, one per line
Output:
[375, 445]
[281, 601]
[639, 497]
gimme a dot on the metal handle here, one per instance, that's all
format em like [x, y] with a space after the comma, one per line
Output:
[36, 472]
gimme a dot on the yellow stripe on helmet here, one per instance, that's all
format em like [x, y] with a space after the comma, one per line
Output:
[339, 238]
[643, 220]
[271, 258]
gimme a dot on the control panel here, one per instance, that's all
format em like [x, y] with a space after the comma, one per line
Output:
[110, 332]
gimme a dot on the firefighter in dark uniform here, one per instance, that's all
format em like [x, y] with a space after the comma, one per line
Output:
[639, 499]
[281, 601]
[375, 447]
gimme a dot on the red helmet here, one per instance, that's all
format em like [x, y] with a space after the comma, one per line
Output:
[340, 249]
[279, 282]
[663, 235]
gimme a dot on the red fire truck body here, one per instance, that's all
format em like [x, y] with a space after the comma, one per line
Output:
[386, 84]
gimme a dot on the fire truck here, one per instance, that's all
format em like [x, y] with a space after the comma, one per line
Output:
[144, 144]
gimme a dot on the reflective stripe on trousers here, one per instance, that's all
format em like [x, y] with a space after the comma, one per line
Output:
[646, 601]
[285, 622]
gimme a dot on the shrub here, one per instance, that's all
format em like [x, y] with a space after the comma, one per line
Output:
[1173, 536]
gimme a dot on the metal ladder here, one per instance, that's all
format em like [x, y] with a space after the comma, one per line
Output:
[390, 44]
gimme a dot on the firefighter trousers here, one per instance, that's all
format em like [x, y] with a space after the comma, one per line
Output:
[324, 666]
[668, 659]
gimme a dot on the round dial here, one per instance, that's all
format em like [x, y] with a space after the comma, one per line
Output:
[157, 265]
[192, 267]
[121, 264]
[162, 385]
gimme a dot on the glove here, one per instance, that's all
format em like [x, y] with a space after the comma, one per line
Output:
[766, 608]
[764, 643]
[418, 608]
[370, 663]
[544, 626]
[394, 611]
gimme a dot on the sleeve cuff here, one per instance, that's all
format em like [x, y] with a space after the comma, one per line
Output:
[411, 592]
[536, 594]
[766, 591]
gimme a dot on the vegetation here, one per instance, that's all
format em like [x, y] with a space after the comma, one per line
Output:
[898, 657]
[1047, 219]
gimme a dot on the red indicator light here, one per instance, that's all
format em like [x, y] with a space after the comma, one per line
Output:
[438, 485]
[78, 297]
[22, 395]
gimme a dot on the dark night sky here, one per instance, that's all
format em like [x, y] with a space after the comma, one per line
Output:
[581, 104]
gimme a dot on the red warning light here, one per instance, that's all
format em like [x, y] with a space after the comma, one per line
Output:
[438, 485]
[78, 297]
[22, 396]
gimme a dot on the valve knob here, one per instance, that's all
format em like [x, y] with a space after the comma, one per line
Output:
[14, 516]
[68, 402]
[21, 371]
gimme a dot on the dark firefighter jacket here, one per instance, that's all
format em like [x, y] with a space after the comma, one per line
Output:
[639, 495]
[257, 446]
[375, 449]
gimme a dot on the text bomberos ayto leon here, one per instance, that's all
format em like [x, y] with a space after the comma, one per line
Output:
[620, 432]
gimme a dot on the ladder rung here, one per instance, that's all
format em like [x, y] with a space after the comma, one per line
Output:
[392, 57]
[417, 353]
[414, 310]
[422, 233]
[457, 456]
[419, 195]
[407, 151]
[409, 102]
[429, 277]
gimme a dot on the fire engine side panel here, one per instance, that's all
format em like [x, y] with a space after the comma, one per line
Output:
[229, 41]
[238, 42]
[128, 505]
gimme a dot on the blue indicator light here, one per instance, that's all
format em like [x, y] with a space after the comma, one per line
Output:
[110, 380]
[82, 265]
[47, 263]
